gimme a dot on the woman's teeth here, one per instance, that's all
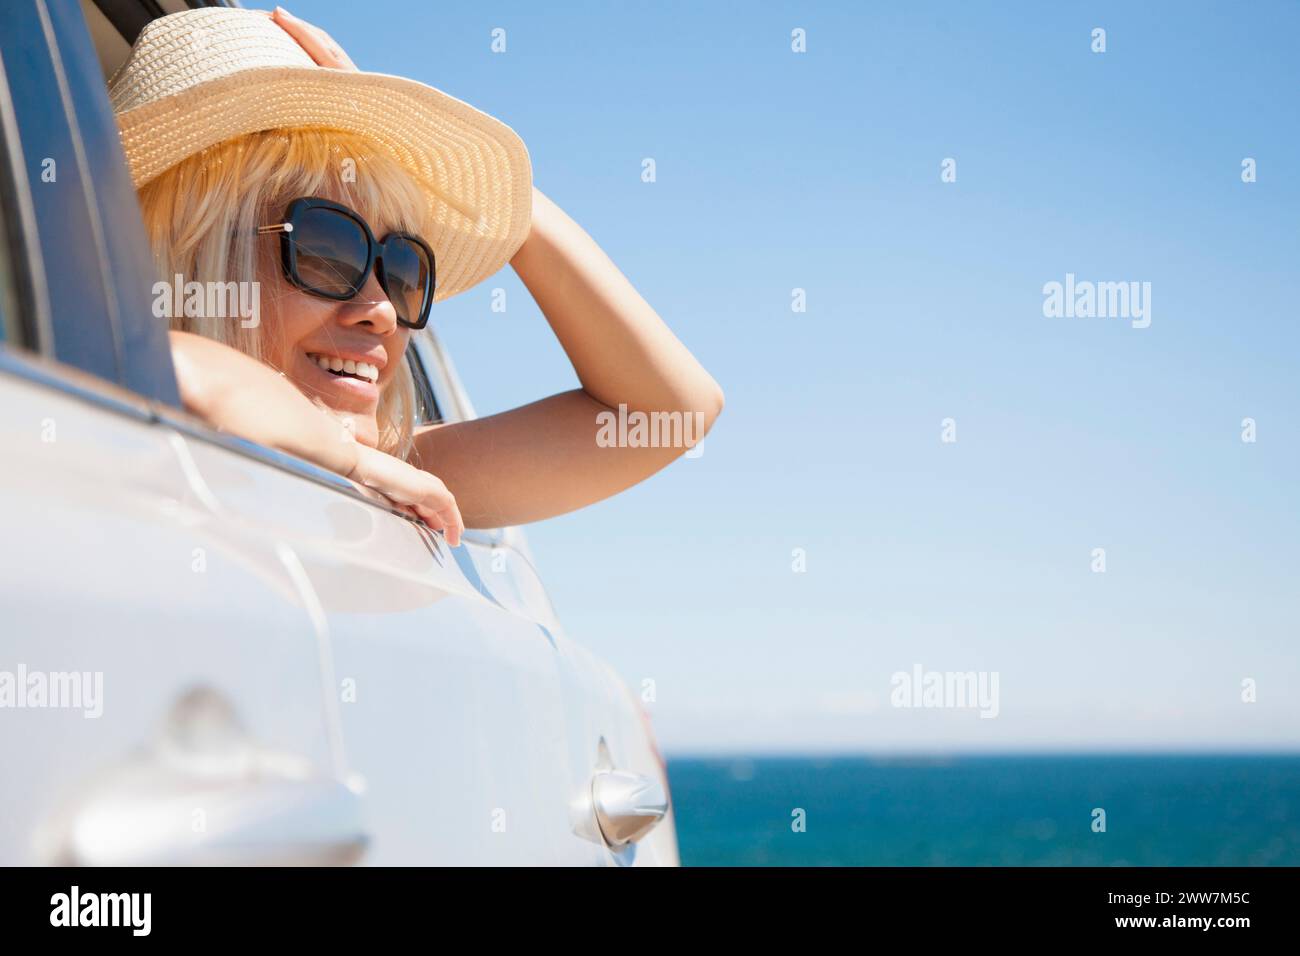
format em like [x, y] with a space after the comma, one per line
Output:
[338, 366]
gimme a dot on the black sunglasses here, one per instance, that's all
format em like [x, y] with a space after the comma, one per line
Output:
[328, 250]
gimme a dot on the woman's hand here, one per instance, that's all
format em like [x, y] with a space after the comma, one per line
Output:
[320, 46]
[422, 492]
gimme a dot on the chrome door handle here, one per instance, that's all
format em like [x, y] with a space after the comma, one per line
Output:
[628, 805]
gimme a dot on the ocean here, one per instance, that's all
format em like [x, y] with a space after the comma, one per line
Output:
[1174, 810]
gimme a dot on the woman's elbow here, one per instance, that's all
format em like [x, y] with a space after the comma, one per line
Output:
[705, 405]
[713, 404]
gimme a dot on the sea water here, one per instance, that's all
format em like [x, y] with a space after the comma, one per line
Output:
[1173, 810]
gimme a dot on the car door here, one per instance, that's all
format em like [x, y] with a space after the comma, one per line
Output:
[161, 693]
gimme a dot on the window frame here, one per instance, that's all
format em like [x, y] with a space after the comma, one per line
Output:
[26, 306]
[96, 290]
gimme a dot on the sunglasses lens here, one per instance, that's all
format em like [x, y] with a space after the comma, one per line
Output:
[331, 251]
[408, 279]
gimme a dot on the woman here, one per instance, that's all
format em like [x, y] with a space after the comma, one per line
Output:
[354, 201]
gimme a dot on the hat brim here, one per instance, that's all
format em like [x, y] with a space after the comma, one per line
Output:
[473, 168]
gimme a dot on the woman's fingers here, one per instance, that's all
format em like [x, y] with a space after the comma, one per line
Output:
[320, 46]
[447, 520]
[441, 513]
[438, 507]
[430, 499]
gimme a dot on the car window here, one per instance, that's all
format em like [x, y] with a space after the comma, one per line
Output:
[426, 403]
[24, 308]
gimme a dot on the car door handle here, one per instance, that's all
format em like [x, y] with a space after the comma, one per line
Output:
[205, 793]
[627, 805]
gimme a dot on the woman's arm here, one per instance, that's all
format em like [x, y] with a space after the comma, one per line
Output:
[620, 348]
[238, 394]
[545, 458]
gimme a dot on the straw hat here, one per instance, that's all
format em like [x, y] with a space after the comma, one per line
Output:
[203, 76]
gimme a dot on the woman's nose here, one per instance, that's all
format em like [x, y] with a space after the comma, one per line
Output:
[371, 307]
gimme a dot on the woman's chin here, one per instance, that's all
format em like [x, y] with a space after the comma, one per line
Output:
[356, 412]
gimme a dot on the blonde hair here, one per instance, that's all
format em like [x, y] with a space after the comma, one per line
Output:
[202, 214]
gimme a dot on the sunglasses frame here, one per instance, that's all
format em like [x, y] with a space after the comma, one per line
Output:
[374, 259]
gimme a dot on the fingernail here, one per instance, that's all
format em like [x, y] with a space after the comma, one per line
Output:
[281, 11]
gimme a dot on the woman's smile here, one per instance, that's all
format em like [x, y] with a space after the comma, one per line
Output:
[358, 369]
[343, 384]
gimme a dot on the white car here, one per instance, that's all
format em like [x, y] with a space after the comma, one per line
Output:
[211, 652]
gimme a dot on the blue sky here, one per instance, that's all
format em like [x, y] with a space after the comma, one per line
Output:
[821, 171]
